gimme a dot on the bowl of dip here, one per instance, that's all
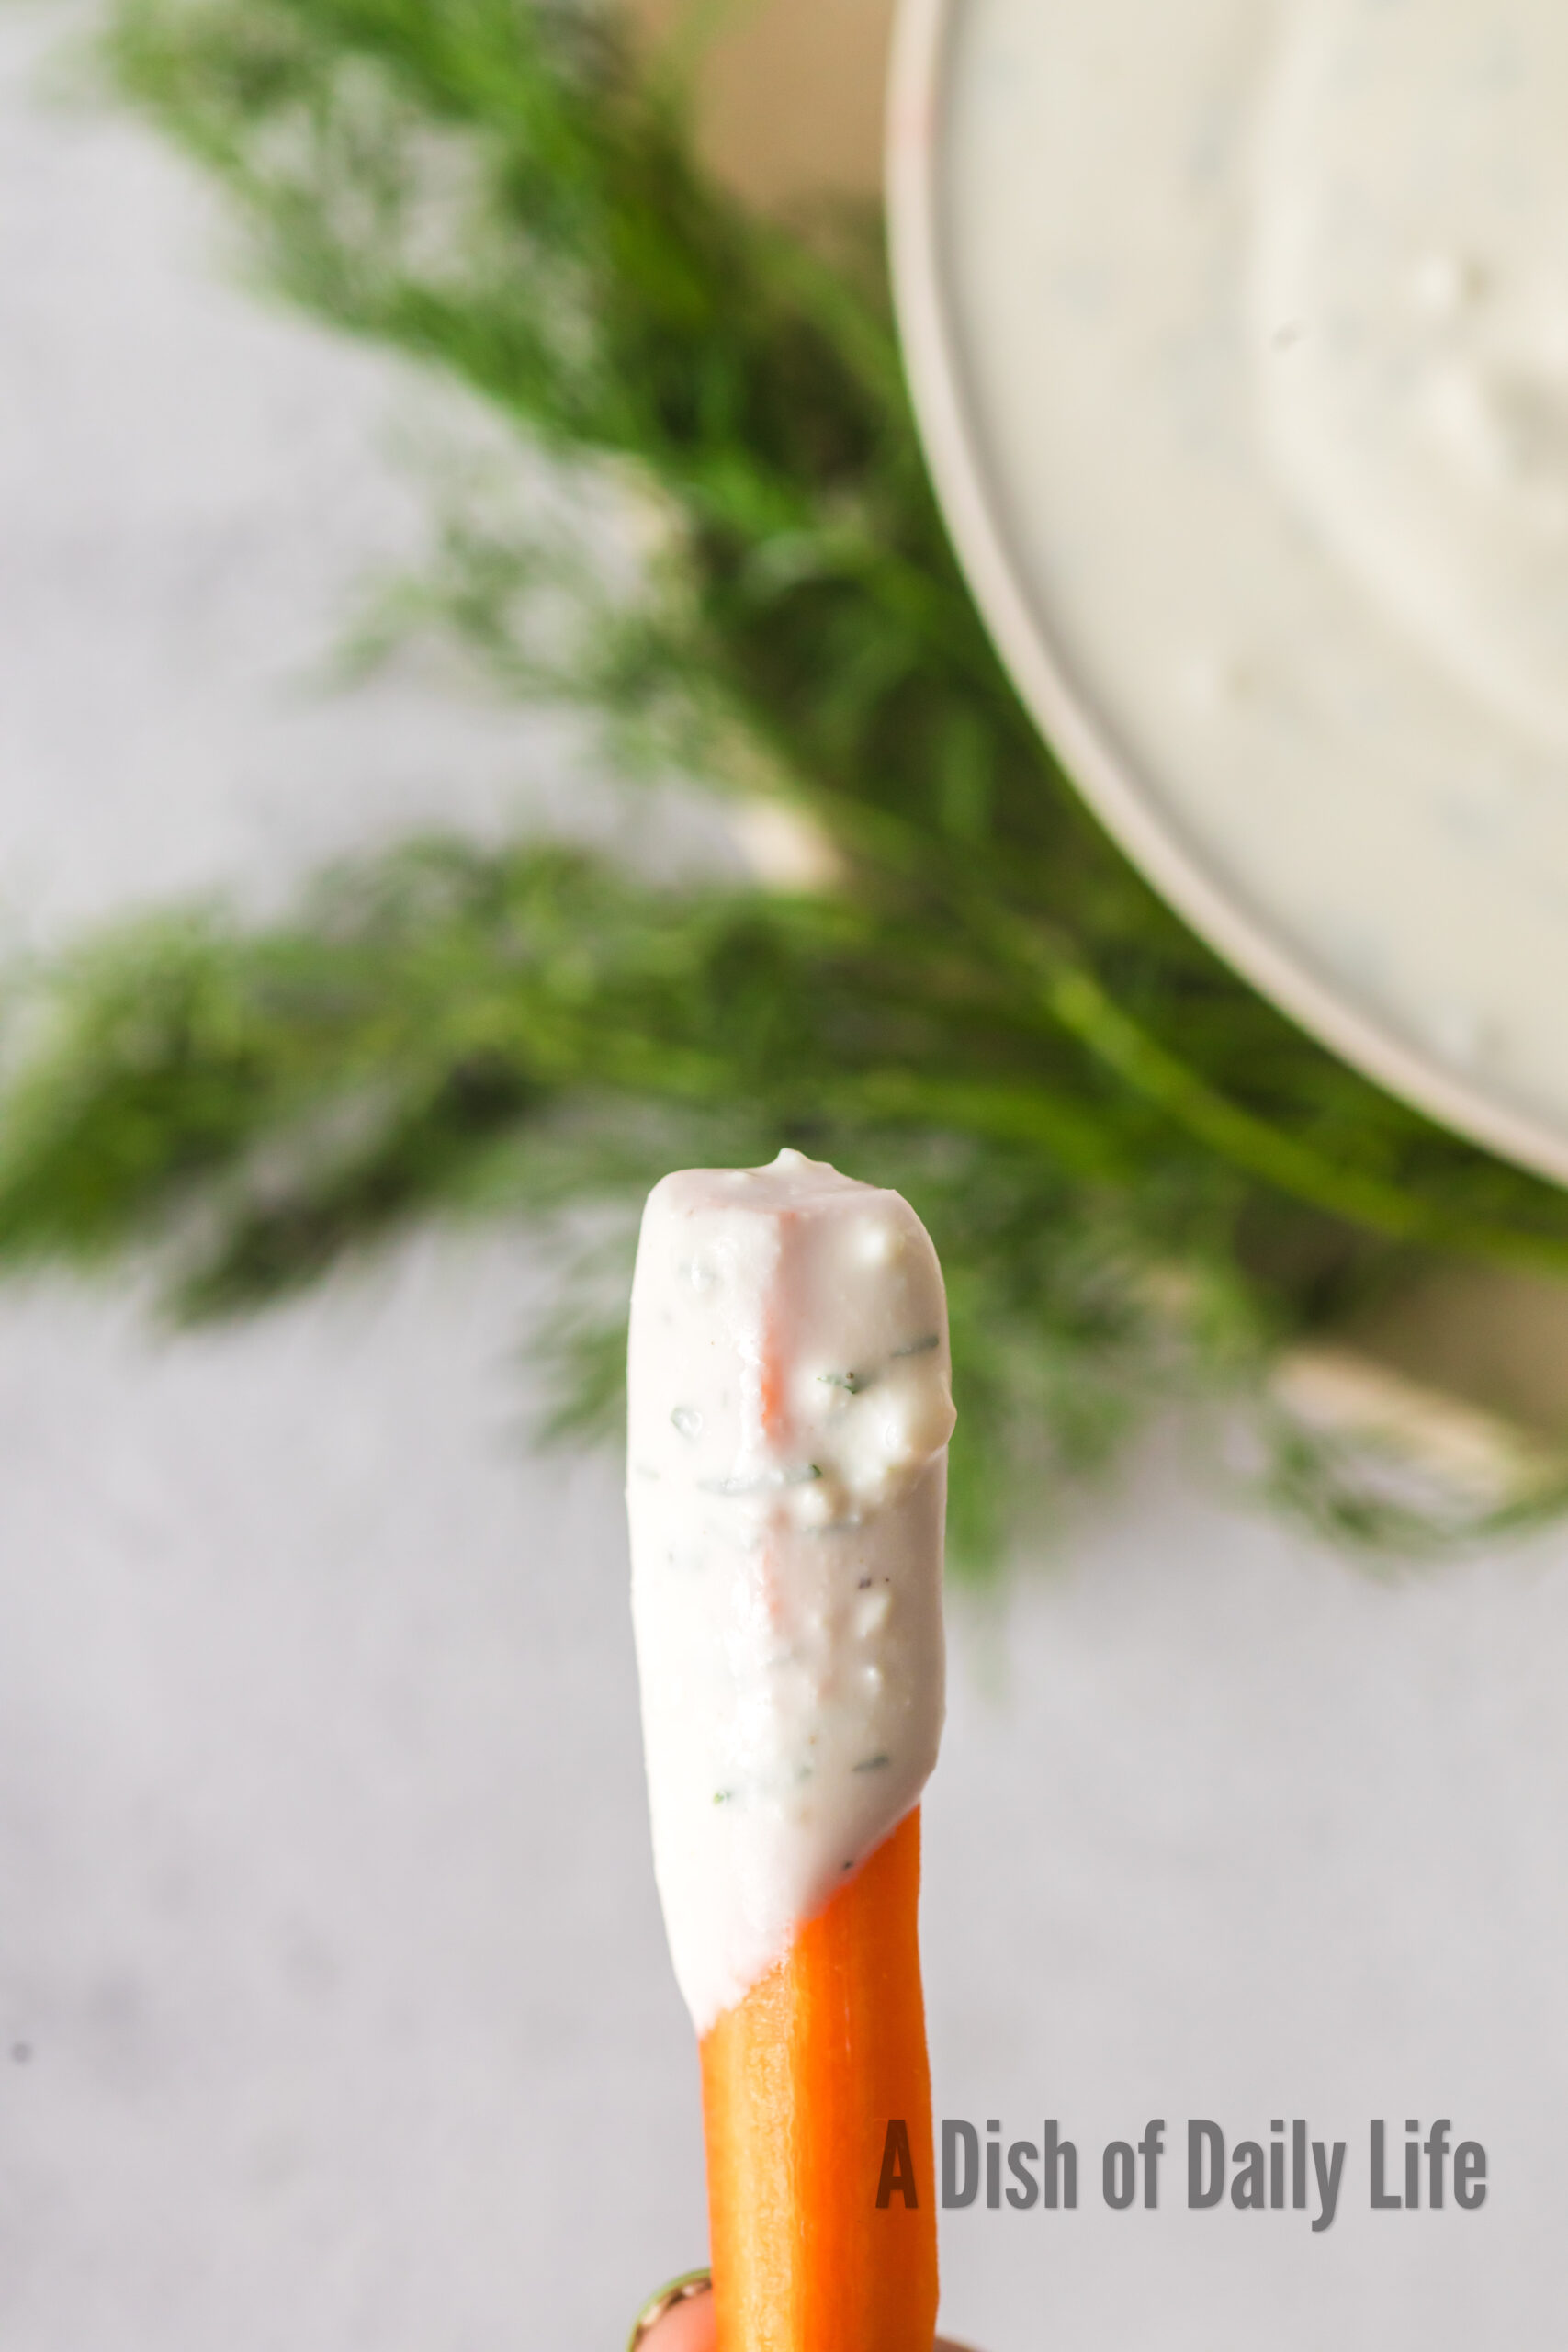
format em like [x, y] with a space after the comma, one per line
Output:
[1238, 335]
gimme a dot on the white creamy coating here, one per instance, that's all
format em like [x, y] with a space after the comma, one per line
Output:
[1262, 315]
[789, 1413]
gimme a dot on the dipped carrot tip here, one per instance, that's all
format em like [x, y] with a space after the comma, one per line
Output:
[789, 1419]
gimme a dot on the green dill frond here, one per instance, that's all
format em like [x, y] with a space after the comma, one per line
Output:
[1142, 1178]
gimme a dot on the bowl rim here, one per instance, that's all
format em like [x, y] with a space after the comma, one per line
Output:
[1090, 757]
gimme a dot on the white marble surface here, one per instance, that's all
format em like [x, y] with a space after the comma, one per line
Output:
[330, 1976]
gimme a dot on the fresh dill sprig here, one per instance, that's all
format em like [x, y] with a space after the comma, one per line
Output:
[1142, 1178]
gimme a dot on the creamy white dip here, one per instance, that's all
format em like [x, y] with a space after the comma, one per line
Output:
[1258, 320]
[1410, 306]
[789, 1414]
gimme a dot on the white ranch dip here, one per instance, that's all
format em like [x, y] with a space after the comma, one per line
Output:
[789, 1414]
[1259, 317]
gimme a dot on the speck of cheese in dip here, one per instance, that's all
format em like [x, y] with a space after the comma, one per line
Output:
[789, 1411]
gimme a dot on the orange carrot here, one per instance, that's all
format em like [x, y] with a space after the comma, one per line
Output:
[800, 2082]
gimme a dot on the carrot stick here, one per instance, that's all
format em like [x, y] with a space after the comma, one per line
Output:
[800, 2082]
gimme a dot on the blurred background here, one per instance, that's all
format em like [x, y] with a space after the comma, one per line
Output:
[335, 2010]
